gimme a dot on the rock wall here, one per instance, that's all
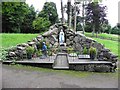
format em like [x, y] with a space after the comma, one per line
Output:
[73, 39]
[78, 42]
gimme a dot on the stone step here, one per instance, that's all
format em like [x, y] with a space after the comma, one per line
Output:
[61, 61]
[61, 68]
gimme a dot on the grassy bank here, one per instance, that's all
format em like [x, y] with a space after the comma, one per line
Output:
[9, 40]
[112, 45]
[110, 41]
[104, 36]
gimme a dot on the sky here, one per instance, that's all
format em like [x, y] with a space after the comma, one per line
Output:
[112, 5]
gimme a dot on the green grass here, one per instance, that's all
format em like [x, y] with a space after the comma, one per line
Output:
[112, 45]
[9, 40]
[104, 36]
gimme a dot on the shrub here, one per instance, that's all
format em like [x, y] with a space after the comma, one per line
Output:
[39, 53]
[3, 54]
[85, 51]
[41, 43]
[92, 52]
[70, 50]
[30, 50]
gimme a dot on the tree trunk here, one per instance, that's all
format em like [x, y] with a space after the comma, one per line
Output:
[75, 18]
[83, 16]
[96, 34]
[93, 32]
[69, 13]
[62, 12]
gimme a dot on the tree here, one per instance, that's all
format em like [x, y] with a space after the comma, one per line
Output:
[62, 12]
[106, 28]
[41, 24]
[118, 25]
[17, 17]
[28, 20]
[69, 12]
[49, 11]
[116, 29]
[95, 14]
[12, 16]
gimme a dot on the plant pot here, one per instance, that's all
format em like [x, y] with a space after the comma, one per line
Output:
[29, 56]
[92, 56]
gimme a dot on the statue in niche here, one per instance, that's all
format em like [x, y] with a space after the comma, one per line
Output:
[61, 37]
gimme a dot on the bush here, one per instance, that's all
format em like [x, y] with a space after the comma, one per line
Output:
[115, 30]
[39, 53]
[3, 55]
[85, 51]
[70, 50]
[30, 50]
[92, 52]
[41, 43]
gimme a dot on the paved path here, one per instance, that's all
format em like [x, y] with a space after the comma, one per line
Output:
[19, 78]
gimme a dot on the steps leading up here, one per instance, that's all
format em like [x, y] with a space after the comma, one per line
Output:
[61, 61]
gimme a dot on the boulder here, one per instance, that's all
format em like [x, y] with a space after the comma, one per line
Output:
[56, 44]
[52, 39]
[114, 60]
[79, 68]
[71, 38]
[68, 41]
[105, 50]
[78, 47]
[24, 45]
[39, 37]
[89, 40]
[31, 43]
[50, 32]
[12, 54]
[113, 56]
[35, 40]
[76, 39]
[102, 68]
[20, 48]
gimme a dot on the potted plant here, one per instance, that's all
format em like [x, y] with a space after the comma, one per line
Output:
[92, 52]
[85, 51]
[30, 51]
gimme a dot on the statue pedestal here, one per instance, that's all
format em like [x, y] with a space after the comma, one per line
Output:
[63, 44]
[63, 48]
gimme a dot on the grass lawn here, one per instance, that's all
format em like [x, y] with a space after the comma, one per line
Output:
[112, 45]
[9, 40]
[104, 36]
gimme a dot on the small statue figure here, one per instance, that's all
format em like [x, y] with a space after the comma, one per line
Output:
[44, 50]
[61, 37]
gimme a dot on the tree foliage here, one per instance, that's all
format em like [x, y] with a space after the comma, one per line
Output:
[49, 11]
[41, 24]
[96, 16]
[17, 17]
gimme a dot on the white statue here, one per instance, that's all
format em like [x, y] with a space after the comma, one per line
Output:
[61, 37]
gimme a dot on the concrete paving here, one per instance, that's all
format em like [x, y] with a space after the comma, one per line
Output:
[20, 78]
